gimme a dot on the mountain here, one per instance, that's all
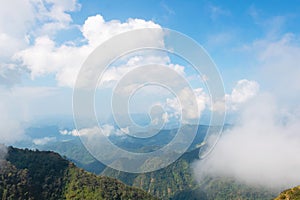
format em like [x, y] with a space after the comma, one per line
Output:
[176, 182]
[219, 188]
[77, 153]
[49, 138]
[28, 174]
[173, 182]
[290, 194]
[163, 183]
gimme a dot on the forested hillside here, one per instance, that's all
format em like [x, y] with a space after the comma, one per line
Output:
[27, 174]
[177, 181]
[290, 194]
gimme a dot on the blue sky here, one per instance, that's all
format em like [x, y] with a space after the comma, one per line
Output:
[221, 27]
[255, 45]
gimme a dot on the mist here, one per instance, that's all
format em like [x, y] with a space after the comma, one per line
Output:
[262, 149]
[263, 146]
[3, 154]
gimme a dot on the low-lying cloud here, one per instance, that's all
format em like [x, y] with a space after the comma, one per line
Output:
[3, 152]
[263, 147]
[44, 140]
[107, 130]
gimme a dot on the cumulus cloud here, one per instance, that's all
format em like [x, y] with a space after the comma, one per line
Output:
[30, 19]
[152, 90]
[55, 13]
[38, 17]
[114, 73]
[96, 30]
[28, 42]
[13, 31]
[29, 39]
[174, 106]
[243, 91]
[46, 57]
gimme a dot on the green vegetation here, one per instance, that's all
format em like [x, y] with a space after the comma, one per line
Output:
[176, 182]
[84, 185]
[163, 183]
[290, 194]
[42, 174]
[219, 188]
[27, 174]
[77, 153]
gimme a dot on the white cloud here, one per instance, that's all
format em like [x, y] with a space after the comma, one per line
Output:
[114, 73]
[46, 57]
[30, 17]
[96, 30]
[35, 21]
[165, 117]
[40, 20]
[277, 61]
[20, 105]
[10, 126]
[280, 65]
[174, 106]
[263, 146]
[243, 91]
[259, 149]
[9, 45]
[54, 14]
[241, 94]
[67, 132]
[107, 130]
[11, 118]
[43, 141]
[217, 11]
[23, 20]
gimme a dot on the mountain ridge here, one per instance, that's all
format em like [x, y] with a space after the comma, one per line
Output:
[29, 174]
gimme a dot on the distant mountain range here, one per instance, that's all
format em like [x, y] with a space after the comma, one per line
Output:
[50, 138]
[28, 174]
[173, 182]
